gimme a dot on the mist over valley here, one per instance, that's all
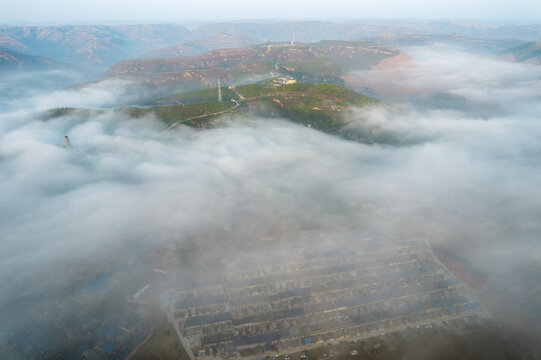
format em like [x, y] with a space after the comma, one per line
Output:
[315, 189]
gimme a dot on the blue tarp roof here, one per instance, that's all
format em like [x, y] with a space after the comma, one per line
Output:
[109, 347]
[207, 319]
[98, 284]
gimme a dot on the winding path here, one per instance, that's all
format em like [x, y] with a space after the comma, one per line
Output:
[237, 104]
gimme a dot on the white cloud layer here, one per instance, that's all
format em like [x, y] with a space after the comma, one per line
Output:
[451, 177]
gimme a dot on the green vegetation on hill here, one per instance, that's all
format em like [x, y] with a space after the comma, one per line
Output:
[197, 96]
[179, 113]
[63, 111]
[333, 92]
[254, 68]
[254, 90]
[169, 114]
[317, 105]
[318, 66]
[317, 70]
[323, 90]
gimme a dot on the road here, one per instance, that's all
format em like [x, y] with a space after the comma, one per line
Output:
[234, 88]
[237, 104]
[171, 316]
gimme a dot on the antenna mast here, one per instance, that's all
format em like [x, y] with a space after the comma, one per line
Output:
[219, 91]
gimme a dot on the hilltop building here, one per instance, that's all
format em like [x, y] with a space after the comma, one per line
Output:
[283, 80]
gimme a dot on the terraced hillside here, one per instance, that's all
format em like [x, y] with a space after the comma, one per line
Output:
[308, 62]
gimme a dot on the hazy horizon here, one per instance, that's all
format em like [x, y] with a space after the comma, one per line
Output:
[122, 11]
[194, 23]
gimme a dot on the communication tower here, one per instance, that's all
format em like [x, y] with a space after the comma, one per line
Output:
[219, 91]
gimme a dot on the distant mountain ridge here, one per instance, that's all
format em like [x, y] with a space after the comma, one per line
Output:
[467, 42]
[356, 54]
[98, 47]
[10, 60]
[325, 61]
[195, 47]
[90, 46]
[519, 32]
[528, 53]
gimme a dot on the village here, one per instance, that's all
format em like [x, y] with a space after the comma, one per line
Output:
[347, 294]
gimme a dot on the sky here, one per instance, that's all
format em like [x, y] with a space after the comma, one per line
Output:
[69, 11]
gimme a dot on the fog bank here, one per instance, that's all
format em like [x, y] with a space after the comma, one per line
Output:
[466, 179]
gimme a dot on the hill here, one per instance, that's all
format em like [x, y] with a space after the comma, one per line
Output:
[520, 32]
[99, 46]
[313, 31]
[222, 40]
[325, 61]
[164, 83]
[87, 45]
[351, 54]
[528, 53]
[319, 106]
[196, 96]
[10, 60]
[468, 43]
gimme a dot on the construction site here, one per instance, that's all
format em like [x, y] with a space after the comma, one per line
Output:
[351, 290]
